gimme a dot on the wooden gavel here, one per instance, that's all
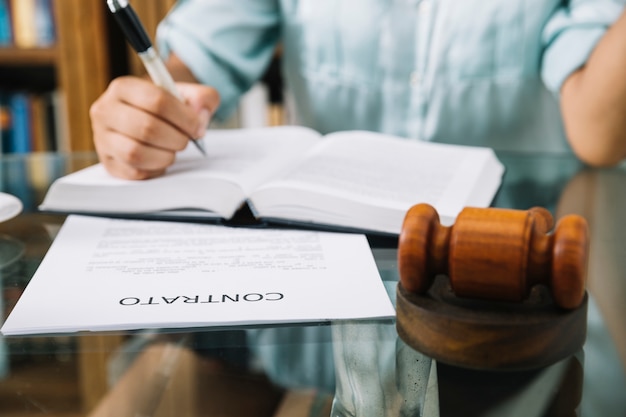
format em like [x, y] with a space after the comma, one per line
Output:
[495, 254]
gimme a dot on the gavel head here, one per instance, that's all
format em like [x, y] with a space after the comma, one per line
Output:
[496, 254]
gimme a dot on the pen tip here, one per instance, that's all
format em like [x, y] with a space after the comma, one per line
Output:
[199, 145]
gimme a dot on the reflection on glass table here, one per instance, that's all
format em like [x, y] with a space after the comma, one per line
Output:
[352, 368]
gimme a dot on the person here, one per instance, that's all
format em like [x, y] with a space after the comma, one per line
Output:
[509, 74]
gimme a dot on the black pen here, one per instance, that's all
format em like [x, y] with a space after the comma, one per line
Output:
[140, 41]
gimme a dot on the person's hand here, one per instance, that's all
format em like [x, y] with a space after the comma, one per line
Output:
[138, 127]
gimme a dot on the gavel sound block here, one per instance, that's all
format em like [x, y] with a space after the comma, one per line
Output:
[499, 289]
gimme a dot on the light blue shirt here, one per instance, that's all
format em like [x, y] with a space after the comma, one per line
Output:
[480, 72]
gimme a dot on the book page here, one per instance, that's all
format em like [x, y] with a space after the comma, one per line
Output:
[237, 161]
[349, 171]
[353, 172]
[246, 156]
[133, 274]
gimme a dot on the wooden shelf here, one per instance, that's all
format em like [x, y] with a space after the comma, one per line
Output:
[83, 66]
[81, 63]
[31, 56]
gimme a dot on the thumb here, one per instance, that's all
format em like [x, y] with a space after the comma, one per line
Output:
[204, 100]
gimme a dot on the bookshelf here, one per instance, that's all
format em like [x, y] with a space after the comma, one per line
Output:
[79, 62]
[10, 56]
[82, 60]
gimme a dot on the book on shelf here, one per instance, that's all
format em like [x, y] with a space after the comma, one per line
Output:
[351, 180]
[21, 123]
[43, 122]
[44, 23]
[32, 22]
[59, 117]
[23, 18]
[6, 26]
[38, 122]
[29, 121]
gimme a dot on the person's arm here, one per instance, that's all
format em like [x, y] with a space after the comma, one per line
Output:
[593, 101]
[180, 72]
[223, 43]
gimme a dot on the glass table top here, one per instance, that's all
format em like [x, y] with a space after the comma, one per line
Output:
[350, 368]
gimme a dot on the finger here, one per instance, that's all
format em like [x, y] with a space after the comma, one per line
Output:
[200, 96]
[204, 100]
[119, 170]
[143, 127]
[144, 95]
[132, 158]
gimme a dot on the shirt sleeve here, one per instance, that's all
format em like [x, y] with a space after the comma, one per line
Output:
[571, 34]
[226, 44]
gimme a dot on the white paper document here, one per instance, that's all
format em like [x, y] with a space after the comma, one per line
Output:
[110, 274]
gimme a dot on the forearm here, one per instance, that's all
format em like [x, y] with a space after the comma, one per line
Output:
[178, 69]
[593, 101]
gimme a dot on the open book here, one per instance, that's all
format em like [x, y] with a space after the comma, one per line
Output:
[353, 180]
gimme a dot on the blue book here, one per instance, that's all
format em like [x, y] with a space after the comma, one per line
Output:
[44, 23]
[20, 112]
[6, 30]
